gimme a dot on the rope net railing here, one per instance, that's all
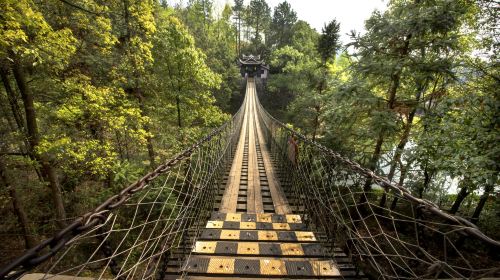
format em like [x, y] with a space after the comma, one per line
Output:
[139, 232]
[407, 238]
[134, 234]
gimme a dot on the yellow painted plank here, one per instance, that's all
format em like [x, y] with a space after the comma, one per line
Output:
[206, 247]
[291, 249]
[233, 217]
[267, 235]
[248, 225]
[293, 219]
[230, 234]
[272, 267]
[281, 226]
[248, 248]
[325, 268]
[305, 236]
[215, 224]
[220, 265]
[265, 218]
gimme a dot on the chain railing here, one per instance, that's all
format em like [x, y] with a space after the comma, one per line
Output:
[412, 239]
[134, 233]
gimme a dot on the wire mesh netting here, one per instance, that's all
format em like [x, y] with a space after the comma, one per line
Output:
[134, 233]
[400, 236]
[142, 231]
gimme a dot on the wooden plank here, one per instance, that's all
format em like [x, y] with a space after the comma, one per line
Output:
[261, 267]
[254, 197]
[256, 226]
[262, 217]
[251, 157]
[280, 202]
[230, 197]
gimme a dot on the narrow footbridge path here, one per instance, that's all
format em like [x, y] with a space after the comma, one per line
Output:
[257, 199]
[254, 233]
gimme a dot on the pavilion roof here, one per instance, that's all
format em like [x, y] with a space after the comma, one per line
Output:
[250, 60]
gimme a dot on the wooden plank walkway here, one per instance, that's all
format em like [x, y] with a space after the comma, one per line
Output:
[230, 199]
[256, 153]
[252, 232]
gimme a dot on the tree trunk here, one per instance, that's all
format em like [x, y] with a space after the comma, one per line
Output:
[404, 139]
[5, 113]
[383, 199]
[378, 145]
[151, 151]
[427, 181]
[136, 89]
[372, 164]
[149, 139]
[404, 171]
[257, 30]
[401, 145]
[399, 152]
[482, 201]
[317, 107]
[126, 18]
[464, 192]
[18, 118]
[316, 122]
[12, 100]
[239, 34]
[48, 171]
[393, 90]
[178, 104]
[19, 210]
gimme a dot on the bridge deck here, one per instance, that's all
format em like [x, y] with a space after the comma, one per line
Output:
[253, 232]
[252, 173]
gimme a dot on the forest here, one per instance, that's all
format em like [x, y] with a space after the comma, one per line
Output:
[97, 93]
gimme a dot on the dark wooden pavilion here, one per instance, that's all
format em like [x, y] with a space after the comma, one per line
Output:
[253, 66]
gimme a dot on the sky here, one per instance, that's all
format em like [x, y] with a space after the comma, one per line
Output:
[350, 13]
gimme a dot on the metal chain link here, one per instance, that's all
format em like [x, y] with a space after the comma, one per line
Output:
[99, 215]
[33, 257]
[468, 227]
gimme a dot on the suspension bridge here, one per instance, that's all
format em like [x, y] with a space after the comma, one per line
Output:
[256, 199]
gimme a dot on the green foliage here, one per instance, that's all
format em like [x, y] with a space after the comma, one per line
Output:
[27, 35]
[106, 80]
[281, 27]
[328, 43]
[464, 122]
[118, 84]
[259, 18]
[185, 76]
[408, 94]
[125, 172]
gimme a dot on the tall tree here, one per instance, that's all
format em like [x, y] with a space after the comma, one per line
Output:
[388, 53]
[238, 11]
[259, 17]
[185, 77]
[294, 71]
[20, 50]
[198, 18]
[280, 30]
[135, 38]
[328, 45]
